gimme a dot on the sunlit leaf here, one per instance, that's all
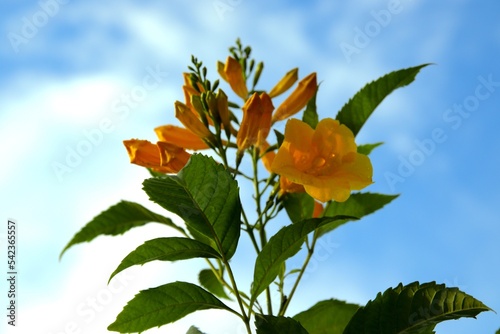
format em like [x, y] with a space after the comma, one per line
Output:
[299, 206]
[116, 220]
[414, 308]
[310, 114]
[166, 249]
[206, 196]
[355, 112]
[268, 324]
[366, 149]
[210, 282]
[283, 245]
[327, 317]
[162, 305]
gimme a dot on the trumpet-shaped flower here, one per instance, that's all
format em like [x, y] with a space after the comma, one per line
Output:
[298, 99]
[180, 137]
[232, 72]
[325, 160]
[256, 121]
[285, 83]
[190, 120]
[162, 157]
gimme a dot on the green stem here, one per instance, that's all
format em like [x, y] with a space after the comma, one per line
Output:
[310, 252]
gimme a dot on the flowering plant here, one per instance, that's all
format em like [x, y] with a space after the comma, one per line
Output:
[310, 171]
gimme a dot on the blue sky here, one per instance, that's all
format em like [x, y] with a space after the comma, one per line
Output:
[68, 69]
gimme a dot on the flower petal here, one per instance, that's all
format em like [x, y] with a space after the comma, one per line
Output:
[285, 83]
[181, 137]
[298, 99]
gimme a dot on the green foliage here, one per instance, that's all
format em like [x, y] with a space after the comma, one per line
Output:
[166, 249]
[357, 205]
[209, 281]
[355, 112]
[159, 306]
[116, 220]
[194, 330]
[206, 196]
[366, 149]
[327, 317]
[283, 245]
[414, 308]
[299, 206]
[310, 114]
[268, 324]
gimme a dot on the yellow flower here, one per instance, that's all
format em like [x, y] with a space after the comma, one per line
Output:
[256, 121]
[162, 157]
[325, 161]
[191, 121]
[180, 137]
[298, 99]
[285, 83]
[232, 72]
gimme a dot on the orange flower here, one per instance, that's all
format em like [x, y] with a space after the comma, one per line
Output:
[325, 161]
[298, 99]
[180, 137]
[232, 72]
[190, 120]
[285, 83]
[318, 210]
[256, 121]
[162, 157]
[287, 186]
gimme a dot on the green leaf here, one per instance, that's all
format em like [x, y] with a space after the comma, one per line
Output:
[279, 137]
[310, 114]
[283, 245]
[355, 112]
[327, 317]
[268, 324]
[209, 281]
[118, 219]
[162, 305]
[166, 249]
[194, 330]
[206, 196]
[414, 308]
[298, 206]
[357, 205]
[366, 149]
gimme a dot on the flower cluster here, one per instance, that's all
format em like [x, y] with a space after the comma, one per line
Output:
[322, 161]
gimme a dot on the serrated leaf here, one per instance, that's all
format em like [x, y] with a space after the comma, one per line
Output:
[366, 149]
[166, 249]
[355, 112]
[209, 281]
[298, 206]
[116, 220]
[206, 196]
[310, 116]
[327, 317]
[162, 305]
[357, 205]
[194, 330]
[414, 308]
[269, 324]
[283, 245]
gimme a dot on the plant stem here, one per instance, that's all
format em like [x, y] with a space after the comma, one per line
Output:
[310, 252]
